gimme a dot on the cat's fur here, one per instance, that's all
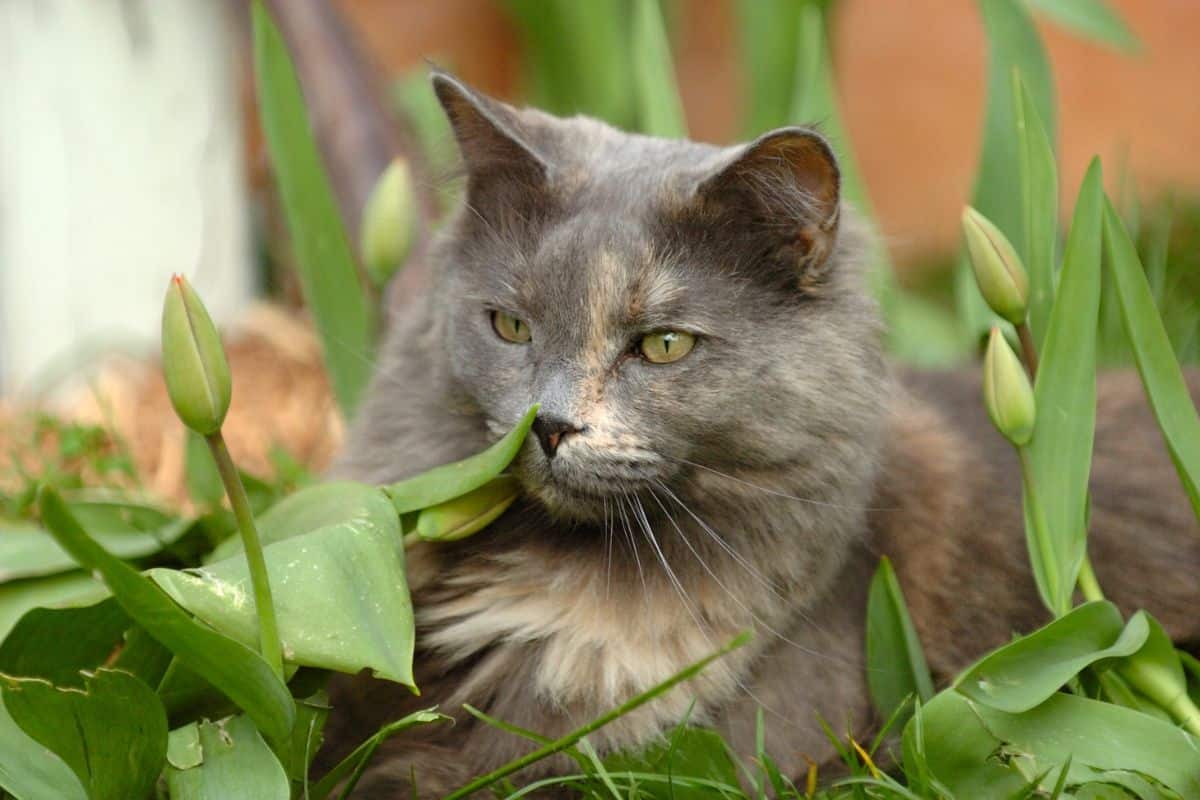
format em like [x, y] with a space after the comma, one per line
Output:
[752, 484]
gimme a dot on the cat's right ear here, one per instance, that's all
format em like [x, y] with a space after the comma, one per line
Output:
[495, 149]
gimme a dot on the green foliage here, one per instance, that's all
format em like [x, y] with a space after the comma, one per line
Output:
[896, 668]
[226, 759]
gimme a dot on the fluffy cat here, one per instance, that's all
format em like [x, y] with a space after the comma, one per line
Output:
[721, 445]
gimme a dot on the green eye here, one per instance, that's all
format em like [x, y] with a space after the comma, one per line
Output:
[666, 346]
[510, 328]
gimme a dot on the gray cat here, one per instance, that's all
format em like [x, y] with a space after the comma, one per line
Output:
[721, 445]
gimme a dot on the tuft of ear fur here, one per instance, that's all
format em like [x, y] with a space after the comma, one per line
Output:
[495, 151]
[786, 186]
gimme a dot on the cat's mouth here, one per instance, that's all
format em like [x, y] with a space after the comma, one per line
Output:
[591, 491]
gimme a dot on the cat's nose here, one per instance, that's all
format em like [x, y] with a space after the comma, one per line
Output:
[550, 431]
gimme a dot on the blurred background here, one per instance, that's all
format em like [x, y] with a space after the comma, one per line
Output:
[130, 148]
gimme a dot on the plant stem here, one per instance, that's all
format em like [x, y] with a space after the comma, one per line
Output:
[1087, 581]
[558, 745]
[268, 629]
[1028, 349]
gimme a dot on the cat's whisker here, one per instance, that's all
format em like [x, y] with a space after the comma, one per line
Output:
[608, 536]
[632, 543]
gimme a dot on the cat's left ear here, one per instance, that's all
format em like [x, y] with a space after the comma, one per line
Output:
[785, 186]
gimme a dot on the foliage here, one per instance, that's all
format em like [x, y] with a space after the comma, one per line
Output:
[135, 642]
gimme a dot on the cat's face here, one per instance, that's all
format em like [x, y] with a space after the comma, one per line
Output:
[671, 306]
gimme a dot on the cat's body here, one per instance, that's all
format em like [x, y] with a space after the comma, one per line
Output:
[752, 483]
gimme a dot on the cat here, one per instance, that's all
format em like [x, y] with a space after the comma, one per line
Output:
[721, 445]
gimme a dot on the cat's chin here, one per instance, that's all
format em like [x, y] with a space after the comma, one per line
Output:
[585, 502]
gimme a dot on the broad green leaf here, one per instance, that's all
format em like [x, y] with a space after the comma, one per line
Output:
[68, 589]
[126, 528]
[1161, 376]
[29, 771]
[236, 764]
[55, 644]
[305, 511]
[1058, 460]
[324, 258]
[1013, 45]
[354, 763]
[340, 595]
[112, 734]
[452, 480]
[470, 513]
[183, 747]
[228, 665]
[659, 109]
[896, 667]
[1156, 672]
[1039, 202]
[976, 751]
[1094, 19]
[143, 656]
[1024, 673]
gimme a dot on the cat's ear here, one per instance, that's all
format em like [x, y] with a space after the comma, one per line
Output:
[489, 133]
[785, 186]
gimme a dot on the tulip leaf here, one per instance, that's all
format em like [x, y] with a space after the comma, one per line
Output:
[1156, 362]
[1039, 202]
[453, 480]
[324, 259]
[470, 513]
[1058, 460]
[896, 667]
[340, 594]
[234, 764]
[239, 672]
[29, 770]
[1026, 672]
[1157, 671]
[67, 589]
[112, 733]
[126, 528]
[351, 763]
[659, 109]
[1013, 45]
[769, 47]
[55, 644]
[1094, 19]
[976, 751]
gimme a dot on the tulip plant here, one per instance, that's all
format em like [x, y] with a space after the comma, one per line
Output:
[146, 654]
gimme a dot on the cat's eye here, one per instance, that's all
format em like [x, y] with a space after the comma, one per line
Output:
[510, 328]
[666, 346]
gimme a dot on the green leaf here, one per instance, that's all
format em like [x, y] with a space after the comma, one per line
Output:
[324, 258]
[1058, 460]
[1013, 46]
[183, 747]
[1161, 376]
[1156, 672]
[112, 734]
[1039, 203]
[1093, 19]
[55, 644]
[660, 112]
[236, 764]
[975, 751]
[29, 771]
[1024, 673]
[340, 594]
[307, 736]
[452, 480]
[228, 665]
[126, 528]
[68, 589]
[896, 667]
[355, 763]
[769, 47]
[689, 752]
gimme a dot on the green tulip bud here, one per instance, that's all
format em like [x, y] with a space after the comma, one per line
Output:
[470, 513]
[1006, 391]
[999, 272]
[194, 364]
[388, 223]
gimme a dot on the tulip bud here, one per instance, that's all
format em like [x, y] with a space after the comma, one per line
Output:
[388, 222]
[999, 272]
[1006, 391]
[194, 364]
[470, 513]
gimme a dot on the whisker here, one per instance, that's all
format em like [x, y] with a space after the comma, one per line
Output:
[632, 544]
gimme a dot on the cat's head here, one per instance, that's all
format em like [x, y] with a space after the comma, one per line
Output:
[672, 306]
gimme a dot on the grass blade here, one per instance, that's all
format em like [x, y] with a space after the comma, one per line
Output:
[1161, 376]
[1058, 460]
[326, 263]
[659, 109]
[1039, 202]
[1093, 19]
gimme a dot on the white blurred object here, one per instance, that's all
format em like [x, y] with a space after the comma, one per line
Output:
[120, 163]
